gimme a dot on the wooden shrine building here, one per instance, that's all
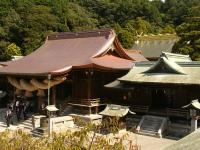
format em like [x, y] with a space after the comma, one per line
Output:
[159, 88]
[74, 65]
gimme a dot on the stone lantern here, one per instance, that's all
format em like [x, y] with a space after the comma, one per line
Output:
[51, 111]
[194, 108]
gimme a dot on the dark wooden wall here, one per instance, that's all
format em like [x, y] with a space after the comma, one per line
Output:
[174, 96]
[89, 83]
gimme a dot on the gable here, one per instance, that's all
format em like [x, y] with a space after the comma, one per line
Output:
[165, 66]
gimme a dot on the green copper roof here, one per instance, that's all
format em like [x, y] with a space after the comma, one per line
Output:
[164, 71]
[115, 110]
[163, 65]
[194, 104]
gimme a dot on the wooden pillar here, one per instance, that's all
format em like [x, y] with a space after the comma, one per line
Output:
[90, 74]
[53, 98]
[39, 103]
[89, 88]
[14, 94]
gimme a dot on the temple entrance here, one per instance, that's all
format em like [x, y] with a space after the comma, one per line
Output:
[159, 98]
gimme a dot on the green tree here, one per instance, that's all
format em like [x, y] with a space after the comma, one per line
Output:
[168, 29]
[3, 46]
[12, 50]
[142, 26]
[189, 33]
[79, 19]
[36, 24]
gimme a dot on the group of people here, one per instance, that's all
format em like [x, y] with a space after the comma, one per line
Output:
[18, 108]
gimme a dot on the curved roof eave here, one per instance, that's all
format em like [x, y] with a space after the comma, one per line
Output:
[60, 53]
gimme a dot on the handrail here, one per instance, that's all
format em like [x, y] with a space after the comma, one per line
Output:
[86, 101]
[140, 108]
[178, 112]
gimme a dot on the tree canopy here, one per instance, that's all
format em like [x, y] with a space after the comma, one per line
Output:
[26, 23]
[189, 33]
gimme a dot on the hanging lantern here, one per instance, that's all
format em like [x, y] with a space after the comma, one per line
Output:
[40, 93]
[28, 94]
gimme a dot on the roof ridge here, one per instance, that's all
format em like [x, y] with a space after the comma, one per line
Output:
[81, 34]
[163, 64]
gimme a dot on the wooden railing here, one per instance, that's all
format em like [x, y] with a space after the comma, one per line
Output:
[140, 108]
[88, 102]
[172, 112]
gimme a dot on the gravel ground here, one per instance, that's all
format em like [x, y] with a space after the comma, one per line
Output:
[153, 143]
[190, 142]
[146, 142]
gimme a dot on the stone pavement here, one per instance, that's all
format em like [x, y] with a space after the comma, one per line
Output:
[153, 143]
[146, 142]
[25, 125]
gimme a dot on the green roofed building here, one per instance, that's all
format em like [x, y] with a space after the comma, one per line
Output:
[160, 88]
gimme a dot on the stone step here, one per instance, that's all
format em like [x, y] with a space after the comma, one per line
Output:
[42, 130]
[150, 128]
[151, 125]
[155, 126]
[26, 124]
[148, 132]
[26, 127]
[37, 134]
[151, 121]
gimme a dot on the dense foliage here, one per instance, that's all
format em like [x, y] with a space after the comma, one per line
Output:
[78, 140]
[86, 137]
[26, 23]
[189, 33]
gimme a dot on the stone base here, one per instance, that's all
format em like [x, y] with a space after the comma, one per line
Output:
[84, 119]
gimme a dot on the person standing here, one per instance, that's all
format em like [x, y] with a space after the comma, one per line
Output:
[12, 106]
[24, 110]
[8, 116]
[17, 109]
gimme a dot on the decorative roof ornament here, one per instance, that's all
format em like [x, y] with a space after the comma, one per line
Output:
[176, 57]
[163, 65]
[193, 104]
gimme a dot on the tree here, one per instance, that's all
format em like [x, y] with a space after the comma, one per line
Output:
[12, 50]
[27, 22]
[126, 38]
[79, 19]
[36, 24]
[168, 29]
[3, 46]
[189, 33]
